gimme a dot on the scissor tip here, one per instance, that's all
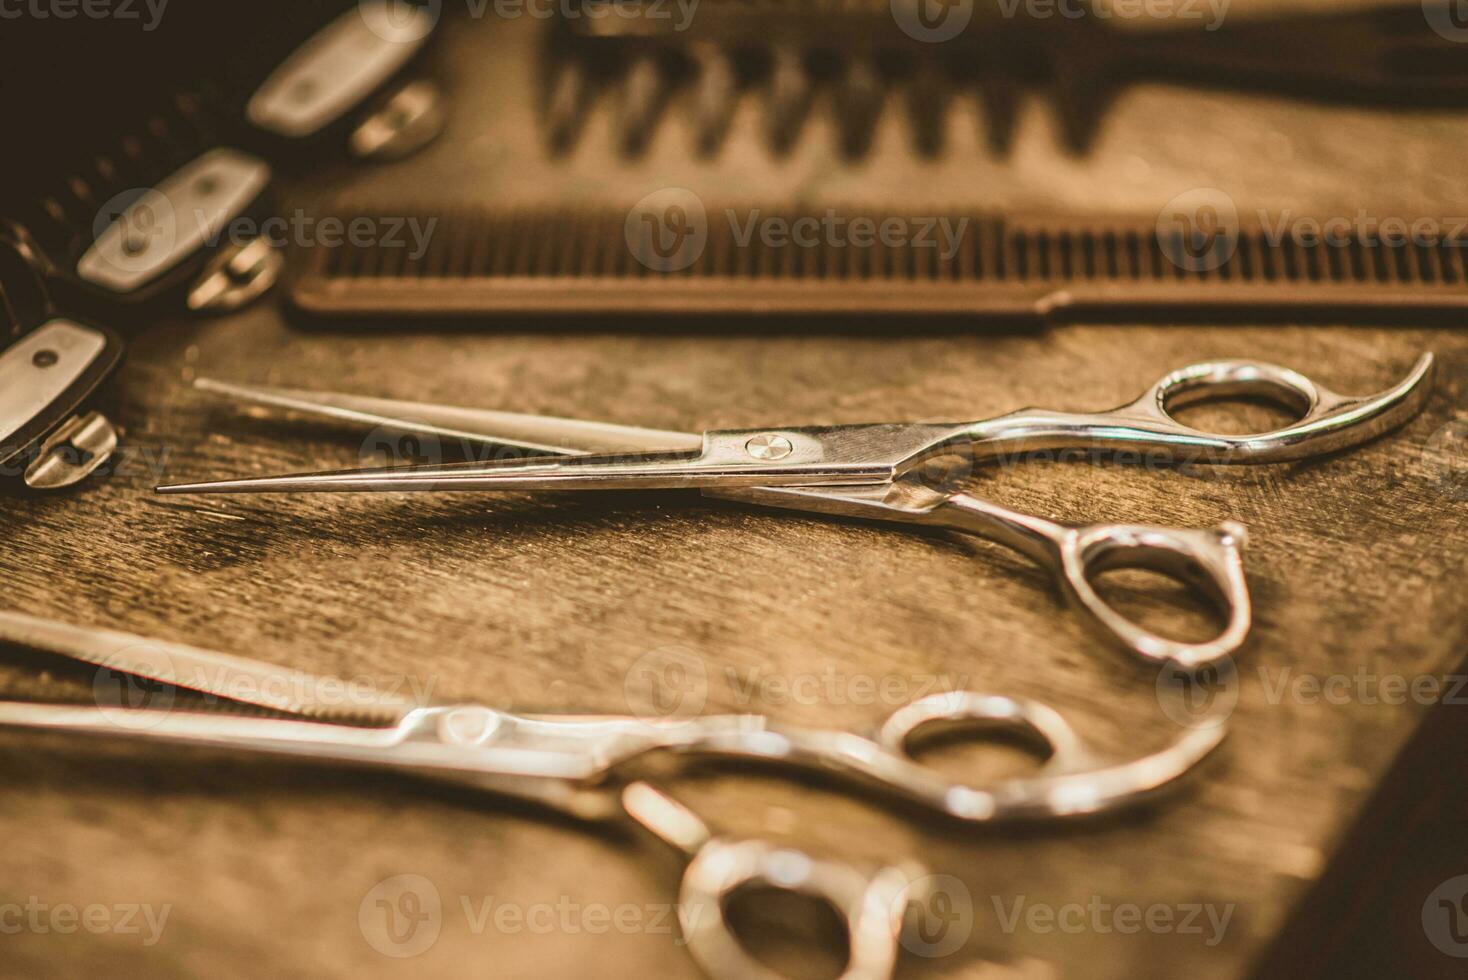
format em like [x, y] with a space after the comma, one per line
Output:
[297, 483]
[224, 486]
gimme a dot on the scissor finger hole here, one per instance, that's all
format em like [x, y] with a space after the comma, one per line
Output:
[1163, 604]
[750, 910]
[1236, 415]
[1238, 399]
[978, 750]
[797, 935]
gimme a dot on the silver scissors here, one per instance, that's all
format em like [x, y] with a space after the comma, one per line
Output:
[580, 766]
[884, 472]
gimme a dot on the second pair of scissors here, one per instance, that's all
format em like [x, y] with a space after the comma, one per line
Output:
[587, 766]
[885, 472]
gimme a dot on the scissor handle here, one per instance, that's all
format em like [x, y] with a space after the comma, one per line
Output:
[1037, 724]
[1072, 780]
[871, 906]
[1328, 422]
[1210, 561]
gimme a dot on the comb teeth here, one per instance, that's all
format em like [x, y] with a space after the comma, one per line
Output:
[860, 51]
[584, 261]
[706, 83]
[593, 244]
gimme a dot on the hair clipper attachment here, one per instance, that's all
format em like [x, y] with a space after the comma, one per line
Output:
[49, 370]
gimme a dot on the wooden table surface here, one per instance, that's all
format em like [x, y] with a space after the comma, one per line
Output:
[564, 603]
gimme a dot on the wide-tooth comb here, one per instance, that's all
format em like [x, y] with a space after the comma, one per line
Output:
[791, 50]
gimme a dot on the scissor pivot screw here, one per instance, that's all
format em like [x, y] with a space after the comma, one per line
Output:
[769, 447]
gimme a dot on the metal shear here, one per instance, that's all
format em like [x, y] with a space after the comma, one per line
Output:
[578, 765]
[884, 472]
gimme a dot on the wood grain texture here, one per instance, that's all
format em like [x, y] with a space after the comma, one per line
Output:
[554, 603]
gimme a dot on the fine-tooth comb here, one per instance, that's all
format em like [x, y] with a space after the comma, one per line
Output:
[788, 51]
[565, 262]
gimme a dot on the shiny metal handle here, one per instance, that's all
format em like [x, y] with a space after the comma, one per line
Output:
[1211, 562]
[1036, 724]
[872, 906]
[1328, 422]
[1072, 780]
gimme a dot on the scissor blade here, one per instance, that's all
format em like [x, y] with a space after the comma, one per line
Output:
[551, 779]
[909, 499]
[855, 454]
[222, 675]
[536, 433]
[593, 472]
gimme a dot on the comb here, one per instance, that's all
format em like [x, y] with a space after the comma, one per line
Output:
[592, 262]
[789, 52]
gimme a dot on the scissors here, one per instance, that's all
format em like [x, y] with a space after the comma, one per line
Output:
[579, 765]
[884, 472]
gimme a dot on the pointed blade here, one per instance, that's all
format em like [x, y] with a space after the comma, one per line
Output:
[848, 454]
[536, 433]
[221, 675]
